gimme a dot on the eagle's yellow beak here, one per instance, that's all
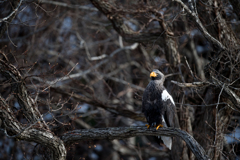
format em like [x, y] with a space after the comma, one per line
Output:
[153, 74]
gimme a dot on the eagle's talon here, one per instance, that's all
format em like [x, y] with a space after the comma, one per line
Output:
[148, 126]
[159, 126]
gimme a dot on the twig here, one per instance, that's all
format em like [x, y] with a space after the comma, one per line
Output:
[232, 95]
[216, 117]
[10, 38]
[68, 5]
[12, 13]
[191, 105]
[57, 80]
[172, 74]
[87, 51]
[189, 67]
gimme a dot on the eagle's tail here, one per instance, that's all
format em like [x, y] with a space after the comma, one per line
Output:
[167, 141]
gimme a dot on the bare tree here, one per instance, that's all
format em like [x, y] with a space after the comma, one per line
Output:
[73, 74]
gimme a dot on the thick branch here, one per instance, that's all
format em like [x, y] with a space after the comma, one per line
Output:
[122, 133]
[14, 129]
[25, 101]
[46, 139]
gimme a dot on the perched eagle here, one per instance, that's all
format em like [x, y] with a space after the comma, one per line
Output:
[158, 106]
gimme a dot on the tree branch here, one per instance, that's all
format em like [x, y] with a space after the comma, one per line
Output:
[193, 84]
[25, 101]
[232, 96]
[201, 27]
[114, 110]
[120, 26]
[12, 13]
[10, 17]
[126, 132]
[36, 131]
[68, 5]
[14, 129]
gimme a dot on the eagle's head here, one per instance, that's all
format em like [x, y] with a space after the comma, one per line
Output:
[157, 75]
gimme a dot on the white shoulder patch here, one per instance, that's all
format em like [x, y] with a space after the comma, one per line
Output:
[166, 96]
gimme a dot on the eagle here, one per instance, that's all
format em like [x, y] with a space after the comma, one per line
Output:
[158, 106]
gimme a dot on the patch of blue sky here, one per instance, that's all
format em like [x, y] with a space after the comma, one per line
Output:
[83, 108]
[233, 137]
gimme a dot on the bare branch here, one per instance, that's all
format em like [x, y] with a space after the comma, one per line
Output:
[12, 13]
[193, 84]
[82, 42]
[122, 133]
[231, 95]
[118, 23]
[9, 18]
[202, 28]
[68, 5]
[114, 110]
[14, 129]
[25, 101]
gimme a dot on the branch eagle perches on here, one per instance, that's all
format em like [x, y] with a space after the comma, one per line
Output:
[126, 132]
